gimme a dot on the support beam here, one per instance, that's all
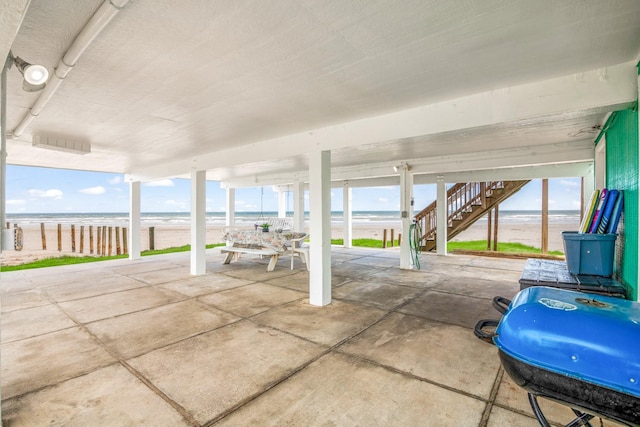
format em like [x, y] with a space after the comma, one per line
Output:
[320, 228]
[496, 220]
[545, 217]
[489, 228]
[589, 185]
[441, 217]
[230, 217]
[282, 204]
[298, 206]
[557, 160]
[562, 170]
[347, 215]
[5, 240]
[198, 223]
[134, 220]
[406, 215]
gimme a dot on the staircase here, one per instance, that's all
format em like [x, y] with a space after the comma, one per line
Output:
[466, 203]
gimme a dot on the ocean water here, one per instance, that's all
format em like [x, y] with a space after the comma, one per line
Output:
[250, 218]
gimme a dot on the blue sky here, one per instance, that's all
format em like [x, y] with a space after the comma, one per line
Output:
[40, 190]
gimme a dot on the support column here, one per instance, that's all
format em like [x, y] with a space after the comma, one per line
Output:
[198, 223]
[230, 217]
[282, 204]
[406, 215]
[320, 228]
[134, 220]
[347, 215]
[6, 240]
[545, 217]
[441, 217]
[298, 206]
[589, 185]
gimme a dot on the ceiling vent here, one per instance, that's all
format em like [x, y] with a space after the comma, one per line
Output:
[61, 144]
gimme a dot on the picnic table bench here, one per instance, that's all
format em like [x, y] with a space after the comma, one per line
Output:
[257, 243]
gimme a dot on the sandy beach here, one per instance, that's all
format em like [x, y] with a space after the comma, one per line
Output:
[172, 236]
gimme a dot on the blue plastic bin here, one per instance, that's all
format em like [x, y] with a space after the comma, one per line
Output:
[589, 253]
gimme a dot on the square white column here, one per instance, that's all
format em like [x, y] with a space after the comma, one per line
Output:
[406, 215]
[198, 223]
[347, 214]
[442, 217]
[320, 228]
[134, 220]
[230, 217]
[282, 204]
[298, 206]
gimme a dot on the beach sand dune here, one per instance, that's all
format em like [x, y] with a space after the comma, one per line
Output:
[172, 236]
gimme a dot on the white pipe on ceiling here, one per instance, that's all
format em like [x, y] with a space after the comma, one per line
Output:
[94, 26]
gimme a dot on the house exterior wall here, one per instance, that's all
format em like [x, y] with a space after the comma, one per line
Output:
[622, 173]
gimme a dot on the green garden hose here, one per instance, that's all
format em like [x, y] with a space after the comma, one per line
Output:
[415, 237]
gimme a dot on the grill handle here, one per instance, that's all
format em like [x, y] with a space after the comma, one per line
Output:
[479, 329]
[501, 304]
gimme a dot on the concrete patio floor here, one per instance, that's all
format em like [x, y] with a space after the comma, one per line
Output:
[123, 343]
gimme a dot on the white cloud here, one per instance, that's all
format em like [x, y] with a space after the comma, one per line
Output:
[115, 180]
[383, 199]
[15, 202]
[52, 193]
[160, 183]
[93, 190]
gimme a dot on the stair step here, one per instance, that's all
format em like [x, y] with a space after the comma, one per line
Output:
[495, 192]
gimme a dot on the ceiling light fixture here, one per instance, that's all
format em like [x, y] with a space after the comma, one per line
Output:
[35, 75]
[401, 167]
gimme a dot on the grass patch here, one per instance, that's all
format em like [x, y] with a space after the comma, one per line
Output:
[365, 243]
[481, 245]
[68, 259]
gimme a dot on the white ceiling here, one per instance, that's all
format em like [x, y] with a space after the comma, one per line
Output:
[170, 86]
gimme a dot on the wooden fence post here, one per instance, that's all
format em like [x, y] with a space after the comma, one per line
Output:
[44, 237]
[59, 237]
[152, 233]
[489, 229]
[384, 239]
[110, 239]
[104, 240]
[73, 238]
[91, 239]
[99, 241]
[125, 246]
[82, 239]
[117, 240]
[392, 239]
[495, 230]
